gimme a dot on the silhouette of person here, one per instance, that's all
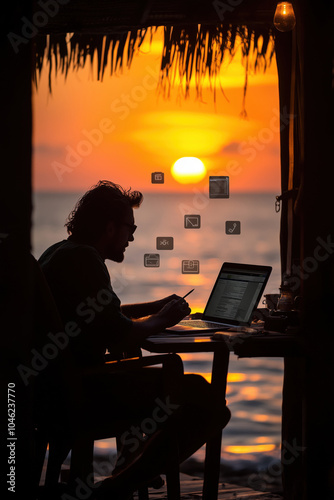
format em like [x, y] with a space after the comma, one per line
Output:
[100, 227]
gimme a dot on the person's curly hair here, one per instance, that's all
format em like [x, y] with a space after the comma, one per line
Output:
[104, 202]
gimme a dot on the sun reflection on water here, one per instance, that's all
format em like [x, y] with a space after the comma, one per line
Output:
[250, 449]
[250, 392]
[263, 439]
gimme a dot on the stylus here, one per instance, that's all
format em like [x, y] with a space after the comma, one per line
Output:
[186, 295]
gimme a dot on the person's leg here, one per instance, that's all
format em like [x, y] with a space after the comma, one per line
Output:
[122, 395]
[128, 401]
[200, 416]
[197, 418]
[140, 401]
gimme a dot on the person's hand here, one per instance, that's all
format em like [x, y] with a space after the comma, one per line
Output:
[174, 311]
[169, 298]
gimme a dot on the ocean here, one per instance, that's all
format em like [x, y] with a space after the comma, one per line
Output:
[251, 440]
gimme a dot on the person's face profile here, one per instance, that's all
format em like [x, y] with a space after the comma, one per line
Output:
[122, 233]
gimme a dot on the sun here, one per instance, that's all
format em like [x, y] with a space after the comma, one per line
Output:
[188, 170]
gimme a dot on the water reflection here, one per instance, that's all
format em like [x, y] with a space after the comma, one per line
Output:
[250, 449]
[254, 396]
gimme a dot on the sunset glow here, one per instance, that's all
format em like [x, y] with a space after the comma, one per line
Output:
[122, 129]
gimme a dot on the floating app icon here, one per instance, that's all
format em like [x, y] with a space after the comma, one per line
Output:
[165, 243]
[152, 260]
[157, 177]
[192, 221]
[219, 186]
[190, 267]
[232, 227]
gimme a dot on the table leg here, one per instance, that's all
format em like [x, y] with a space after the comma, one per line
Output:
[213, 446]
[212, 467]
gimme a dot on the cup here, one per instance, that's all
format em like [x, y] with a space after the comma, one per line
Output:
[270, 300]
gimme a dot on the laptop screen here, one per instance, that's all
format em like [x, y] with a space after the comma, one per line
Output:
[236, 293]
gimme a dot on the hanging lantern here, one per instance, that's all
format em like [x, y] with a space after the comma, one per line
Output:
[284, 18]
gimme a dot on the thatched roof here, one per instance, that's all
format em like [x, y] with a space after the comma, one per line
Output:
[197, 35]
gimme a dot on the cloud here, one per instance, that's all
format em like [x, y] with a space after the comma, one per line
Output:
[232, 147]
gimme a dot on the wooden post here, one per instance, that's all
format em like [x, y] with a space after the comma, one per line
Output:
[291, 456]
[315, 271]
[308, 470]
[16, 284]
[315, 31]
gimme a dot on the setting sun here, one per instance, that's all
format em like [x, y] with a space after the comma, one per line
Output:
[188, 170]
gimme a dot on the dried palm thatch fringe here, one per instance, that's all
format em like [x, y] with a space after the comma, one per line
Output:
[188, 52]
[199, 52]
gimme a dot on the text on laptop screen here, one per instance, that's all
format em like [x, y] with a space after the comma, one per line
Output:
[235, 294]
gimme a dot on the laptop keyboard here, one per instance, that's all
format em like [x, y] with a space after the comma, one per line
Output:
[198, 323]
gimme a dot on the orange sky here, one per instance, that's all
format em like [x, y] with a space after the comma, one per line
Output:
[122, 130]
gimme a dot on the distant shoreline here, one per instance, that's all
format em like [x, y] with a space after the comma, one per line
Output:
[169, 193]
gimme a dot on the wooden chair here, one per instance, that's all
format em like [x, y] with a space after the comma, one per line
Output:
[82, 450]
[82, 443]
[80, 440]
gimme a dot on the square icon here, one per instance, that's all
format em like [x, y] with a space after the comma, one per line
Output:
[151, 260]
[190, 267]
[219, 186]
[165, 243]
[157, 177]
[232, 227]
[192, 221]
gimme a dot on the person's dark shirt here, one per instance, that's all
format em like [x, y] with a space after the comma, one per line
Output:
[88, 306]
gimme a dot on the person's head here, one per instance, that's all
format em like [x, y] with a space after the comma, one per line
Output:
[103, 217]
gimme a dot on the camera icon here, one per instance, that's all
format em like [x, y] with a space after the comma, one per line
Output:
[190, 267]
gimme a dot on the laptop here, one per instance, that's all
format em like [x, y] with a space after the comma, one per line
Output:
[234, 297]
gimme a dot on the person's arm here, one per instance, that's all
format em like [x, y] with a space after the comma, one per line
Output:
[135, 311]
[169, 315]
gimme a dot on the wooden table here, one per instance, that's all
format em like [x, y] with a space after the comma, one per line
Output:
[244, 345]
[182, 344]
